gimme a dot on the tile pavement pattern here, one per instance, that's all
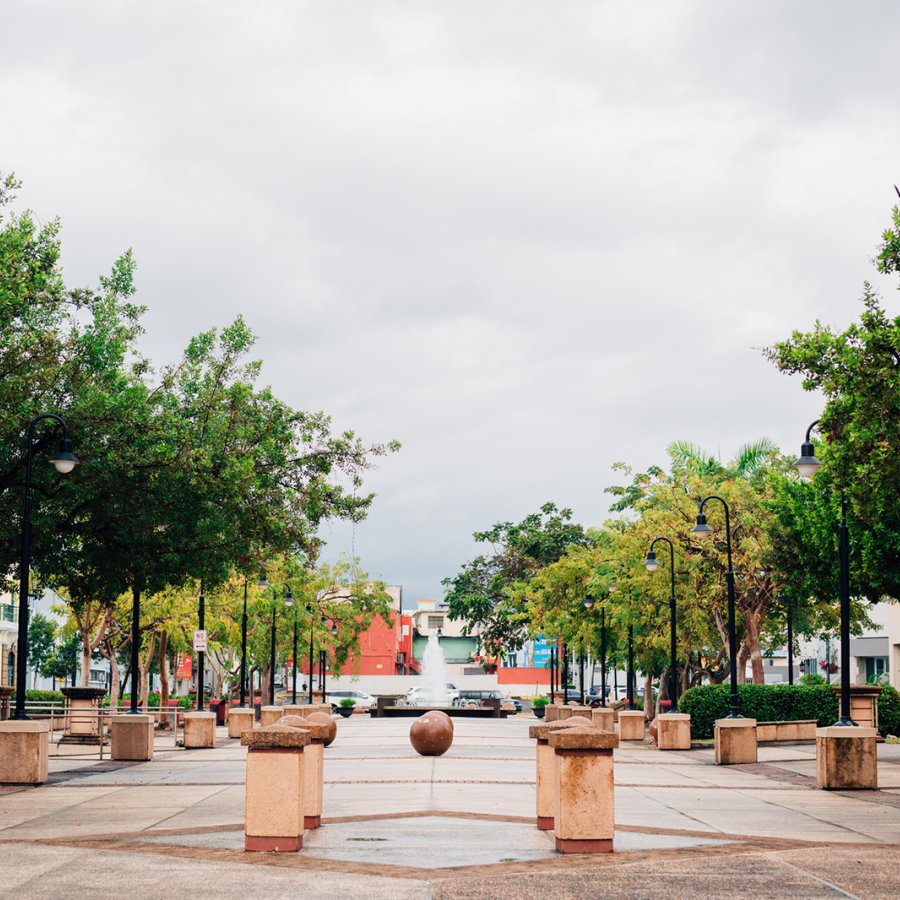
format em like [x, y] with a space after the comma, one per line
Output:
[455, 826]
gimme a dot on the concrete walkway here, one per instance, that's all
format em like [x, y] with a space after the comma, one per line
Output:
[461, 825]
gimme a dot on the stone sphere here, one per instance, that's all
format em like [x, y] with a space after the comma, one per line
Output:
[322, 719]
[440, 714]
[431, 735]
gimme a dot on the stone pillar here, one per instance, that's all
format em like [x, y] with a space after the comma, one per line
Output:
[199, 730]
[546, 780]
[584, 821]
[631, 725]
[269, 715]
[846, 758]
[83, 715]
[240, 719]
[673, 731]
[563, 712]
[603, 718]
[6, 693]
[132, 737]
[325, 708]
[297, 709]
[551, 712]
[581, 710]
[735, 741]
[273, 811]
[24, 750]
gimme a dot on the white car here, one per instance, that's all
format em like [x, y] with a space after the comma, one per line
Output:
[417, 695]
[359, 698]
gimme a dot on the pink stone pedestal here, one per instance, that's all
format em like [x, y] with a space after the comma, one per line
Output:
[673, 731]
[846, 758]
[24, 748]
[240, 719]
[199, 730]
[631, 725]
[735, 741]
[546, 776]
[603, 718]
[273, 812]
[132, 737]
[269, 715]
[584, 821]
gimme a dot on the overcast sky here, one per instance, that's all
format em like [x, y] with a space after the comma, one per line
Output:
[526, 239]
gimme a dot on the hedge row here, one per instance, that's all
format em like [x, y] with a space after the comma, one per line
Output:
[44, 696]
[778, 702]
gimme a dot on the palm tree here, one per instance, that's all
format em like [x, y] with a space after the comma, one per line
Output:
[750, 458]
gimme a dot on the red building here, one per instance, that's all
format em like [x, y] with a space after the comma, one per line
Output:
[385, 648]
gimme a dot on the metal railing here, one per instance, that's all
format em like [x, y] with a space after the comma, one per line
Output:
[90, 728]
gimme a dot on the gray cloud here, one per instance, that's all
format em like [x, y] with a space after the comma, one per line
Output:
[525, 238]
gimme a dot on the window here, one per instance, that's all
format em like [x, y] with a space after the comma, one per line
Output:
[876, 666]
[435, 621]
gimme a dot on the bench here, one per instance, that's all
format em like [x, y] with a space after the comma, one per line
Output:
[782, 732]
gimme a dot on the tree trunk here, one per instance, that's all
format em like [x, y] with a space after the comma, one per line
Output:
[163, 664]
[145, 663]
[752, 621]
[649, 711]
[110, 655]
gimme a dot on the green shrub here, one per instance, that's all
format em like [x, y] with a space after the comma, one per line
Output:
[44, 696]
[813, 678]
[764, 702]
[889, 711]
[348, 702]
[540, 702]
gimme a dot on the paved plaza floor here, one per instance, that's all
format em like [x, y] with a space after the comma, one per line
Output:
[462, 825]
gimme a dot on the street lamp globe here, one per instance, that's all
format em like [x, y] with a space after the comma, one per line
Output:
[702, 529]
[288, 598]
[262, 581]
[651, 563]
[65, 460]
[807, 465]
[588, 602]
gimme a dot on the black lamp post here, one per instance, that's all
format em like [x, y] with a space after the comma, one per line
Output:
[703, 530]
[629, 689]
[201, 656]
[807, 465]
[588, 604]
[789, 607]
[289, 602]
[244, 648]
[272, 656]
[64, 461]
[652, 564]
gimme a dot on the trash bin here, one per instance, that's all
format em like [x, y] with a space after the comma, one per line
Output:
[219, 707]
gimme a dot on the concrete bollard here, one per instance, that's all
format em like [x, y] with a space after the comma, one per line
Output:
[673, 731]
[240, 719]
[585, 808]
[296, 709]
[631, 725]
[735, 741]
[326, 708]
[846, 758]
[273, 810]
[132, 737]
[313, 768]
[603, 718]
[24, 751]
[563, 712]
[199, 730]
[551, 712]
[546, 779]
[269, 715]
[581, 711]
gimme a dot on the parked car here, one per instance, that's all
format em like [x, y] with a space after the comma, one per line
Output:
[360, 699]
[419, 694]
[474, 698]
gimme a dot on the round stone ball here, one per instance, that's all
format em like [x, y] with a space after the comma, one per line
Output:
[440, 714]
[431, 735]
[323, 719]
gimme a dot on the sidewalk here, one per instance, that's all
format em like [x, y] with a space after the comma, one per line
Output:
[460, 825]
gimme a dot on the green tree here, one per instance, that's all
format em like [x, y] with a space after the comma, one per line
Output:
[487, 592]
[63, 661]
[41, 641]
[858, 372]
